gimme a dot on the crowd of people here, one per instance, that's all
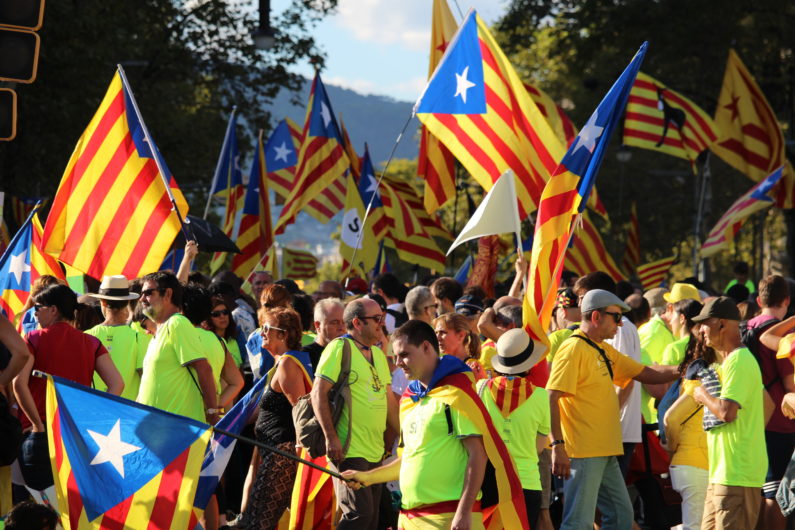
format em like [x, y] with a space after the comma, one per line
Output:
[697, 381]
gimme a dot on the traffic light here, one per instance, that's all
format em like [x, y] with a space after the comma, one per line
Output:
[19, 44]
[8, 114]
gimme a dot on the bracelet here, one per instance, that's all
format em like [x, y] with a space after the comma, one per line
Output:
[557, 442]
[214, 411]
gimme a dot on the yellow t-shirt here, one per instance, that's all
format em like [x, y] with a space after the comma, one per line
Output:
[589, 413]
[688, 430]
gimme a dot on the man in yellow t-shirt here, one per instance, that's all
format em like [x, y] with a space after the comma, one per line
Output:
[736, 449]
[584, 414]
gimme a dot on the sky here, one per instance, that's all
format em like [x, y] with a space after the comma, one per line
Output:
[374, 48]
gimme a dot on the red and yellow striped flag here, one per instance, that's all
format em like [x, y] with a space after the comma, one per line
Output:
[588, 253]
[429, 222]
[632, 249]
[509, 393]
[322, 162]
[436, 163]
[751, 140]
[652, 274]
[356, 162]
[281, 156]
[660, 119]
[298, 264]
[478, 107]
[112, 213]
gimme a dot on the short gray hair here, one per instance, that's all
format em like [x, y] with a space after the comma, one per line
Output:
[417, 299]
[324, 306]
[512, 314]
[354, 309]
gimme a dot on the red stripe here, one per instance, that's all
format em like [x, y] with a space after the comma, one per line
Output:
[451, 123]
[168, 492]
[556, 205]
[599, 246]
[692, 140]
[750, 157]
[73, 500]
[116, 517]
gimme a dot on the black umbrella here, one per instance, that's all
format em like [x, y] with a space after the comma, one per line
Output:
[209, 237]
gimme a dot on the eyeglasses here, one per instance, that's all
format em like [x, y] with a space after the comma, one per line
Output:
[267, 327]
[38, 307]
[220, 313]
[377, 318]
[148, 292]
[616, 316]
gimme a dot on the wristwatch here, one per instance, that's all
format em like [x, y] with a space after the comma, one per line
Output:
[210, 412]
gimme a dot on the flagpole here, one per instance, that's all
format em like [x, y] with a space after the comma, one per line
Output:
[705, 174]
[373, 195]
[220, 158]
[148, 138]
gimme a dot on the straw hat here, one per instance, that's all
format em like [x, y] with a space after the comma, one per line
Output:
[516, 353]
[114, 288]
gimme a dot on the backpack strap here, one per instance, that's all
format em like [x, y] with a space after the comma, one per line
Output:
[602, 353]
[449, 417]
[345, 372]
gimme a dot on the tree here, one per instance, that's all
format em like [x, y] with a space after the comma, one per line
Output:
[188, 63]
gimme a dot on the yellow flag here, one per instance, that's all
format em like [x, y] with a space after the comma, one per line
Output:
[355, 235]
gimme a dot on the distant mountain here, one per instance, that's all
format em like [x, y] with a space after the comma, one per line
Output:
[376, 120]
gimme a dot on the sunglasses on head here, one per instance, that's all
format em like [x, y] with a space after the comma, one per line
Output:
[220, 313]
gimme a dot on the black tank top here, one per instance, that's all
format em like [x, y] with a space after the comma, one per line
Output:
[275, 421]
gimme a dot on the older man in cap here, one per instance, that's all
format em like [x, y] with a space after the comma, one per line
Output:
[584, 414]
[736, 448]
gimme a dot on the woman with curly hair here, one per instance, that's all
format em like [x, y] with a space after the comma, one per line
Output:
[290, 379]
[457, 339]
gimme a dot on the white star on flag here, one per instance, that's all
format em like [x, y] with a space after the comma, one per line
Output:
[590, 133]
[462, 84]
[282, 151]
[372, 184]
[111, 448]
[325, 113]
[19, 266]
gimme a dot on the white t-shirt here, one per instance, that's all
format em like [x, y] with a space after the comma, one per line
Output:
[627, 342]
[389, 320]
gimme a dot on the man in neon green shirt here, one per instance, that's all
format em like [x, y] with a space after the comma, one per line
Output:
[372, 410]
[176, 375]
[655, 334]
[737, 453]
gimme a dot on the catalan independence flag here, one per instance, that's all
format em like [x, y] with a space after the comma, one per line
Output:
[120, 464]
[228, 184]
[256, 231]
[436, 164]
[565, 196]
[322, 161]
[588, 252]
[664, 120]
[281, 156]
[477, 106]
[112, 213]
[355, 236]
[652, 274]
[298, 264]
[729, 224]
[430, 222]
[21, 264]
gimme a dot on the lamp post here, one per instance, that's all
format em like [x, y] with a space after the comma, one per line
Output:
[264, 36]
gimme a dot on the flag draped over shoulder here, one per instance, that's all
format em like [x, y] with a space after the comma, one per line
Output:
[436, 164]
[751, 140]
[729, 224]
[356, 236]
[298, 264]
[119, 464]
[322, 162]
[652, 274]
[112, 213]
[661, 119]
[476, 105]
[452, 384]
[228, 183]
[588, 252]
[631, 257]
[256, 231]
[21, 264]
[564, 196]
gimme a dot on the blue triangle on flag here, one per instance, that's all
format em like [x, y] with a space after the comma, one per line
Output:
[368, 183]
[458, 85]
[764, 187]
[321, 118]
[116, 446]
[280, 149]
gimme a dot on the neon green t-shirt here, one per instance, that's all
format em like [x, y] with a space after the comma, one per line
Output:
[519, 431]
[647, 408]
[737, 454]
[748, 285]
[215, 355]
[368, 398]
[556, 338]
[433, 461]
[166, 382]
[307, 338]
[234, 351]
[674, 353]
[654, 337]
[127, 351]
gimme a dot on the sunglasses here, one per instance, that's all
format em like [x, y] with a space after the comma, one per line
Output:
[148, 292]
[377, 318]
[616, 316]
[220, 313]
[38, 307]
[267, 327]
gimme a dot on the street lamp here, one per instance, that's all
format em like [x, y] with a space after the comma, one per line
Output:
[265, 36]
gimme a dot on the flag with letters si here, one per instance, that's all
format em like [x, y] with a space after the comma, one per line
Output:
[120, 464]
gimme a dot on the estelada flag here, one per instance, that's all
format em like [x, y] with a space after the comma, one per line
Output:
[112, 213]
[120, 464]
[661, 119]
[356, 236]
[751, 140]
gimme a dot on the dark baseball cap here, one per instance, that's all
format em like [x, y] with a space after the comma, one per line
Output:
[469, 305]
[721, 307]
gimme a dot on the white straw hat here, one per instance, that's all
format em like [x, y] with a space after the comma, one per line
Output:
[516, 352]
